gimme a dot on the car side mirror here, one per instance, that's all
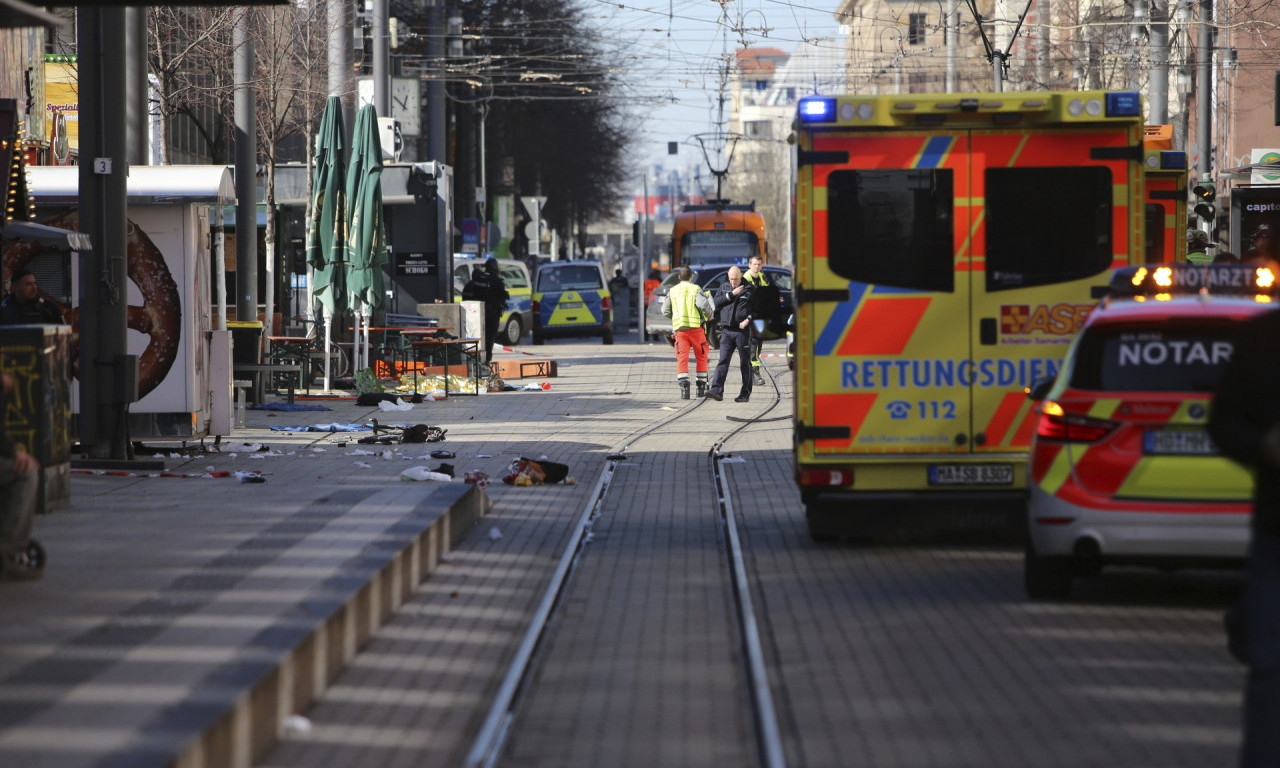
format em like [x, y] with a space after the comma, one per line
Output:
[1039, 389]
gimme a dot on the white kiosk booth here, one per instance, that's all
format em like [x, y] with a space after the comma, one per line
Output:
[184, 362]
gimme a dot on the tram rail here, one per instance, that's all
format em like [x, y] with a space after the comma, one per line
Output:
[492, 735]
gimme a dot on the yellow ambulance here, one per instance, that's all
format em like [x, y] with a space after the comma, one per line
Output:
[948, 246]
[1166, 203]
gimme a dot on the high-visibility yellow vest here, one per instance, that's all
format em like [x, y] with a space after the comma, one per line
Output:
[684, 308]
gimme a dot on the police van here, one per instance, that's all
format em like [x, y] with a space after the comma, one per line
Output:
[947, 248]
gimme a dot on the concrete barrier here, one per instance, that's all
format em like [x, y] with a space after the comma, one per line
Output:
[303, 654]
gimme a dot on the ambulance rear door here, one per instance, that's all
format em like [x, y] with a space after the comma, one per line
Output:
[947, 272]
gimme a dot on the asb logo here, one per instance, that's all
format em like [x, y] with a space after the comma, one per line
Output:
[1051, 319]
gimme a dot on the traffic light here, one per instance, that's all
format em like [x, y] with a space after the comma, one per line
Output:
[635, 232]
[1205, 192]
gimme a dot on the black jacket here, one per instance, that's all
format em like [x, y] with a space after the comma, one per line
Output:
[732, 310]
[489, 288]
[1247, 405]
[38, 312]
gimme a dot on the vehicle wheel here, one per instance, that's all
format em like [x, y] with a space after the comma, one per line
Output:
[512, 333]
[1046, 578]
[537, 337]
[608, 336]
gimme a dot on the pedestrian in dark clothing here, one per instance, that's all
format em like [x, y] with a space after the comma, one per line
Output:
[619, 283]
[23, 304]
[1245, 424]
[19, 482]
[488, 286]
[733, 311]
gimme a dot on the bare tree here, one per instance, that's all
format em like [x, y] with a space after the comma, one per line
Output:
[289, 41]
[189, 50]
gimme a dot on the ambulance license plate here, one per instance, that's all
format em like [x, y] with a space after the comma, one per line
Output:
[970, 474]
[1178, 442]
[570, 304]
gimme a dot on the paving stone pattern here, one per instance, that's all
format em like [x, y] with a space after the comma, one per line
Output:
[164, 595]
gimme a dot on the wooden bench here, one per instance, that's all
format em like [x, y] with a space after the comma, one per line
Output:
[257, 372]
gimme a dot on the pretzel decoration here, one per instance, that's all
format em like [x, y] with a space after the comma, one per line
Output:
[159, 317]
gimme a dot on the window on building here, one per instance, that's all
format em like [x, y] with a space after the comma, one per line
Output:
[915, 28]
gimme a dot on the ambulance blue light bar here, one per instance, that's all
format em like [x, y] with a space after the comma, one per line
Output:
[1163, 280]
[1124, 104]
[817, 110]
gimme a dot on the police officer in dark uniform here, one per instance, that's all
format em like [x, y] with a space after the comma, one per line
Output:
[733, 303]
[23, 304]
[492, 290]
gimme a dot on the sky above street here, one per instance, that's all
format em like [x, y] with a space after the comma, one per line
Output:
[671, 52]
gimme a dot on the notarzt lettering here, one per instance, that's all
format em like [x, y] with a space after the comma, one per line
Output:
[1175, 353]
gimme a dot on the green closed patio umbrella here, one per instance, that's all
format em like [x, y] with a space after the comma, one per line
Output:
[326, 240]
[366, 228]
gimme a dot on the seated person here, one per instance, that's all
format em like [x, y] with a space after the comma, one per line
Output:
[23, 304]
[19, 483]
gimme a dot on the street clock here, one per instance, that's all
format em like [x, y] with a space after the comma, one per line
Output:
[406, 101]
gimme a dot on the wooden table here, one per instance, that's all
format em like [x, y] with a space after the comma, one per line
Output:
[407, 335]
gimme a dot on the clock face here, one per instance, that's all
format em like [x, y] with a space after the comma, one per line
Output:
[406, 105]
[406, 101]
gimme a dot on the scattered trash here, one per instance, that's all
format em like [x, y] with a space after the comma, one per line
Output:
[363, 465]
[319, 428]
[247, 447]
[421, 433]
[478, 479]
[398, 405]
[250, 477]
[483, 456]
[297, 724]
[540, 472]
[287, 407]
[443, 454]
[733, 460]
[445, 469]
[374, 398]
[423, 473]
[494, 533]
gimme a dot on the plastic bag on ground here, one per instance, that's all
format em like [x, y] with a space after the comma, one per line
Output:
[398, 405]
[423, 473]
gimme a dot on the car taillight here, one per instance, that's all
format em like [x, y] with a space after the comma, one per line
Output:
[606, 303]
[1057, 424]
[825, 477]
[534, 306]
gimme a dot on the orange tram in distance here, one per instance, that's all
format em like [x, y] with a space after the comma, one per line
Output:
[718, 232]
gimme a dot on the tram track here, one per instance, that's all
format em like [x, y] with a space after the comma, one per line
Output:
[491, 737]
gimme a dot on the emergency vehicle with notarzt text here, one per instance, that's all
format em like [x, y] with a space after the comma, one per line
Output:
[1123, 468]
[947, 249]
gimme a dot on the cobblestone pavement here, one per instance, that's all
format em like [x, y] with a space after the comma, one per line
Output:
[165, 595]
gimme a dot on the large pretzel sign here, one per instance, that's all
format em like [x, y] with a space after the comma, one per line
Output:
[160, 315]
